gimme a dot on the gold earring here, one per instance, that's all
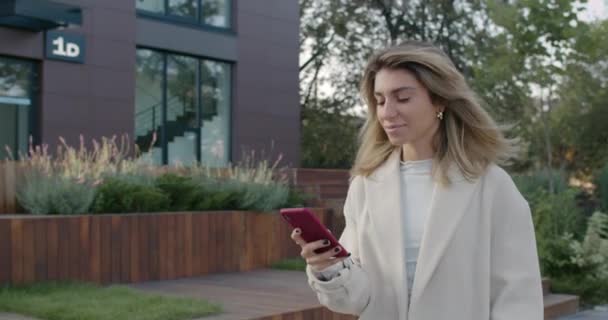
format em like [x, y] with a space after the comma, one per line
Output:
[440, 115]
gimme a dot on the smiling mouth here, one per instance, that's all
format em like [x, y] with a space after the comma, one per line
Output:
[394, 126]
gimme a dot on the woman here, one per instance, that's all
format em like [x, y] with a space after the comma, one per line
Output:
[436, 230]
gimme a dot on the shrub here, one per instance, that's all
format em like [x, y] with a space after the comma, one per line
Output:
[529, 184]
[41, 193]
[118, 196]
[182, 191]
[586, 261]
[602, 187]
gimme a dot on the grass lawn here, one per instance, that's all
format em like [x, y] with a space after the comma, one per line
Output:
[297, 264]
[72, 301]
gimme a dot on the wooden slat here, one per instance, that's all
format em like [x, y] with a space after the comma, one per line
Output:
[63, 249]
[52, 253]
[131, 248]
[180, 252]
[8, 187]
[106, 249]
[154, 246]
[134, 259]
[5, 251]
[115, 256]
[40, 250]
[196, 244]
[163, 254]
[74, 248]
[237, 231]
[171, 230]
[96, 244]
[85, 248]
[188, 251]
[125, 248]
[29, 258]
[144, 250]
[226, 239]
[203, 230]
[215, 245]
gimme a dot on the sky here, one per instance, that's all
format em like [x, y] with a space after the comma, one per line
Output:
[596, 9]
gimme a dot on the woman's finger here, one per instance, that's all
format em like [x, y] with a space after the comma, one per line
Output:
[322, 265]
[308, 250]
[324, 257]
[296, 235]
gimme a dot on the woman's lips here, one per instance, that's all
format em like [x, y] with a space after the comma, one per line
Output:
[394, 127]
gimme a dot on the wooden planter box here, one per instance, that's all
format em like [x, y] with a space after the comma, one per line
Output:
[127, 248]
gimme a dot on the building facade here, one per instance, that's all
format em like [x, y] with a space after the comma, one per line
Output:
[187, 80]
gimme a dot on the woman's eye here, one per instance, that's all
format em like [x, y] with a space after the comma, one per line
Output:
[403, 100]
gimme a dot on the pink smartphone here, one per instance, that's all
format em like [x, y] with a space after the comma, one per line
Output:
[312, 229]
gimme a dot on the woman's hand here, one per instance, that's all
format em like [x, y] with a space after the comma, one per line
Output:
[317, 262]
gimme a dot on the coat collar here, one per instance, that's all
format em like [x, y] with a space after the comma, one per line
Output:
[448, 205]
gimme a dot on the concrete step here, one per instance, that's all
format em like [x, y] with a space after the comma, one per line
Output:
[546, 286]
[558, 305]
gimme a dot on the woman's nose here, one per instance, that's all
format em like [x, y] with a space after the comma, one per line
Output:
[390, 109]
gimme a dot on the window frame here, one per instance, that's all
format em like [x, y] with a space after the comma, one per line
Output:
[163, 141]
[196, 23]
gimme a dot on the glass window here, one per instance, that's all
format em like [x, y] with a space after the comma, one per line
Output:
[182, 109]
[215, 131]
[17, 79]
[149, 103]
[194, 96]
[216, 13]
[184, 8]
[157, 6]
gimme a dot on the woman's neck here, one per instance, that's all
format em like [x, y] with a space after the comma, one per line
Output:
[412, 153]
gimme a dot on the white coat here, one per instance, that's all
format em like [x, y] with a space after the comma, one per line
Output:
[477, 261]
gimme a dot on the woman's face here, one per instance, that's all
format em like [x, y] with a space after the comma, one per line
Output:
[404, 108]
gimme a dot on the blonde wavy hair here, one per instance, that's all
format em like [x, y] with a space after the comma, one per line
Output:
[467, 135]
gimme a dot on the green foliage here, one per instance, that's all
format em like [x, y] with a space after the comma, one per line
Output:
[602, 187]
[529, 184]
[41, 193]
[591, 291]
[555, 215]
[296, 198]
[234, 195]
[584, 264]
[115, 195]
[329, 138]
[182, 191]
[295, 264]
[75, 301]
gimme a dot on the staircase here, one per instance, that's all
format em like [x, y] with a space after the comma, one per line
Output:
[180, 130]
[557, 305]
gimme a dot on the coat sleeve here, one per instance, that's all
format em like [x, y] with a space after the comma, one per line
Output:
[349, 291]
[515, 280]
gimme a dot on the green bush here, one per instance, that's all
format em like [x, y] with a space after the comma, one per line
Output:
[584, 264]
[602, 187]
[41, 193]
[229, 194]
[118, 196]
[182, 191]
[216, 195]
[529, 184]
[263, 197]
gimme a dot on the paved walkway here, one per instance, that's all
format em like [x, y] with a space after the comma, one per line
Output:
[597, 313]
[244, 295]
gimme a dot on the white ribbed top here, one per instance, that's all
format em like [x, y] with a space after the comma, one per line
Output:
[417, 186]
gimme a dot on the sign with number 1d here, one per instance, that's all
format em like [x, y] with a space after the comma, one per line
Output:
[65, 46]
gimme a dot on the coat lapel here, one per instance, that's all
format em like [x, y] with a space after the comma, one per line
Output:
[448, 205]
